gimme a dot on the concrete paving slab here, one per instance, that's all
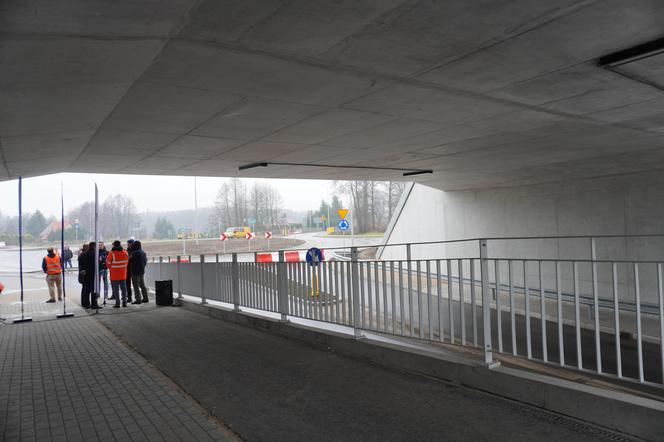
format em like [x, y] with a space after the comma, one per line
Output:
[70, 379]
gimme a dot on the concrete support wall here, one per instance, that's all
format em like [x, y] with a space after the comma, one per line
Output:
[621, 205]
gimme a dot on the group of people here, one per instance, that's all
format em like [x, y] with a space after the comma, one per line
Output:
[124, 268]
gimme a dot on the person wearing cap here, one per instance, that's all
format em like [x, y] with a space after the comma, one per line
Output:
[52, 266]
[116, 262]
[130, 243]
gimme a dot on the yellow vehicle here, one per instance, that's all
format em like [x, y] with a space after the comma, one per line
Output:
[186, 234]
[237, 232]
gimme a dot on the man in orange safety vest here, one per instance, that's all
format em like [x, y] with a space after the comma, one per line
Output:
[52, 266]
[116, 262]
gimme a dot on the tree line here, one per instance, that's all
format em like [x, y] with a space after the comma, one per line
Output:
[259, 206]
[33, 224]
[326, 216]
[118, 218]
[373, 202]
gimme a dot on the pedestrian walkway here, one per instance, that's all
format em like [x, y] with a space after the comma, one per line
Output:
[268, 387]
[36, 293]
[72, 379]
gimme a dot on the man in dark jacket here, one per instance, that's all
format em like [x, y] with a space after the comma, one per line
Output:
[137, 262]
[130, 243]
[86, 271]
[103, 271]
[67, 255]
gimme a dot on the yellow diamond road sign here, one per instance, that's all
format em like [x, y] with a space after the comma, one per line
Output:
[342, 213]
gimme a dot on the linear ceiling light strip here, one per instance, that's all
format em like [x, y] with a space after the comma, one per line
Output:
[406, 172]
[632, 54]
[615, 61]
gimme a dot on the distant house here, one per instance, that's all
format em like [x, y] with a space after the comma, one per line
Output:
[54, 226]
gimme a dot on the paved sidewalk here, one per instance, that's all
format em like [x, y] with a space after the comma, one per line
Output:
[35, 296]
[72, 379]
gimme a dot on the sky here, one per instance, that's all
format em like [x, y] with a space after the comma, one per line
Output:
[150, 193]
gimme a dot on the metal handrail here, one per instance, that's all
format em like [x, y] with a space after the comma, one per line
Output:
[647, 308]
[248, 285]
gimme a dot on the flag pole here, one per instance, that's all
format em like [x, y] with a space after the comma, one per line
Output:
[62, 255]
[96, 288]
[20, 248]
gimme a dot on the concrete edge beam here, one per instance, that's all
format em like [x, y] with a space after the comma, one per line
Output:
[619, 411]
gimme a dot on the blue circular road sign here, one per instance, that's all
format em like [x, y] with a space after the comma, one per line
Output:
[314, 256]
[343, 224]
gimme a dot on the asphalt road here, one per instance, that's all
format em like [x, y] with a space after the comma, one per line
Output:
[321, 240]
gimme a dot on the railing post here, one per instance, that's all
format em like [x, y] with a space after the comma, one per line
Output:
[411, 321]
[282, 287]
[203, 298]
[593, 266]
[486, 304]
[217, 278]
[161, 260]
[595, 309]
[355, 285]
[235, 283]
[179, 278]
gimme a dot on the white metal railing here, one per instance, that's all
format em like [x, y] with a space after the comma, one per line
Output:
[598, 315]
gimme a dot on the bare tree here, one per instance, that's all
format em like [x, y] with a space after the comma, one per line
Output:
[373, 202]
[118, 217]
[231, 203]
[235, 203]
[394, 191]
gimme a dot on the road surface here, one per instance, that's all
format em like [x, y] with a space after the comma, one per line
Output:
[323, 241]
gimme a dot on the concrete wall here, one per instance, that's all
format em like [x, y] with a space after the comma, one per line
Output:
[621, 205]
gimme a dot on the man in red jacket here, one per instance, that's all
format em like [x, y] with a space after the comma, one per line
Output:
[116, 262]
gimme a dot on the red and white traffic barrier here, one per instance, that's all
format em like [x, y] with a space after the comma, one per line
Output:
[265, 257]
[289, 256]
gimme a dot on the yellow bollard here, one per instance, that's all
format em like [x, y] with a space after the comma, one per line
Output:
[314, 285]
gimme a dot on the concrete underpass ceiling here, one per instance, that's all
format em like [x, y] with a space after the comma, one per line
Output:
[485, 93]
